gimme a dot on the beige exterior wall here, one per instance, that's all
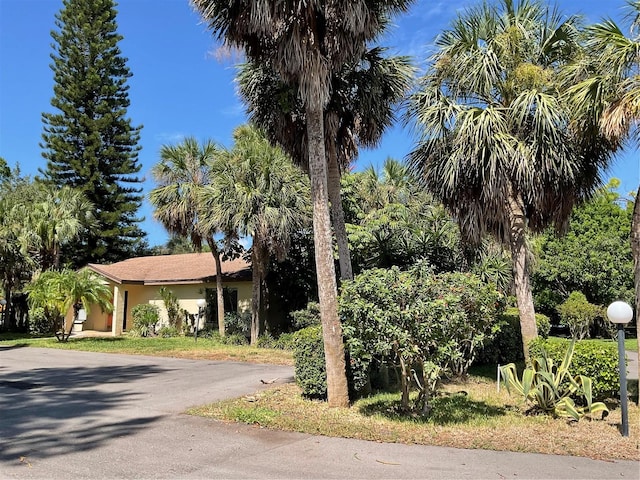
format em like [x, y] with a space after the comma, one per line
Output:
[188, 295]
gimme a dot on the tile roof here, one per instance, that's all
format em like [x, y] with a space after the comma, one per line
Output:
[172, 269]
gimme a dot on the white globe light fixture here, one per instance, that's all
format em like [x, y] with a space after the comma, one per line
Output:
[621, 313]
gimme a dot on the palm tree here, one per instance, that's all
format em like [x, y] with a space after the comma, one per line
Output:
[605, 93]
[58, 291]
[305, 43]
[53, 218]
[361, 107]
[257, 191]
[182, 174]
[496, 145]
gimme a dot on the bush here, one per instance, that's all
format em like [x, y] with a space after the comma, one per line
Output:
[284, 342]
[310, 369]
[430, 325]
[578, 314]
[145, 316]
[595, 360]
[175, 313]
[39, 323]
[168, 332]
[506, 346]
[237, 323]
[306, 317]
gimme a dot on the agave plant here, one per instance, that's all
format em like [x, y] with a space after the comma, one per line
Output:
[552, 387]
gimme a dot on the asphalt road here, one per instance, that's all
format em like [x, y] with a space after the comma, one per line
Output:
[69, 415]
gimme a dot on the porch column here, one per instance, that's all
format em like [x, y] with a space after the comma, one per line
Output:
[117, 322]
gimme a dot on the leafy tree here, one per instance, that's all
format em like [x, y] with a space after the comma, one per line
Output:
[578, 314]
[89, 143]
[496, 143]
[429, 325]
[59, 291]
[257, 191]
[16, 265]
[182, 174]
[594, 257]
[363, 95]
[306, 46]
[605, 93]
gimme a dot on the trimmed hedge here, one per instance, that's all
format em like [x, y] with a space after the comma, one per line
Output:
[310, 369]
[506, 346]
[592, 359]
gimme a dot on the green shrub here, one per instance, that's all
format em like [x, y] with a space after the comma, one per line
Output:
[578, 314]
[175, 313]
[428, 324]
[544, 325]
[145, 316]
[39, 323]
[168, 332]
[306, 317]
[283, 342]
[506, 346]
[237, 323]
[310, 369]
[592, 359]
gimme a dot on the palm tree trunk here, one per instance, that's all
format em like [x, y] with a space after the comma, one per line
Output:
[337, 390]
[635, 250]
[337, 214]
[215, 251]
[257, 260]
[519, 254]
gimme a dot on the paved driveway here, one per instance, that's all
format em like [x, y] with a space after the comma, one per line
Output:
[83, 415]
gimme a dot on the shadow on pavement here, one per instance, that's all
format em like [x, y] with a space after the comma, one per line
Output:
[46, 412]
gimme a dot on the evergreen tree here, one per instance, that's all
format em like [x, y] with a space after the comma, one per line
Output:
[89, 143]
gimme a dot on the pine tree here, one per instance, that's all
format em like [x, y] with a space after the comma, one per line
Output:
[89, 143]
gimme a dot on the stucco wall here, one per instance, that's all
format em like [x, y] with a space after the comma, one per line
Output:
[187, 295]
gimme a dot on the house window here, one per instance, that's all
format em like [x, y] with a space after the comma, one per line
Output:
[230, 296]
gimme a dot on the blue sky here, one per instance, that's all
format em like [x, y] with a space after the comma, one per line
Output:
[180, 87]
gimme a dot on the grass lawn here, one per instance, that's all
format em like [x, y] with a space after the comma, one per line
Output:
[466, 415]
[179, 347]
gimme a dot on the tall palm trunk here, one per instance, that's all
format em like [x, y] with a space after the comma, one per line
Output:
[258, 256]
[519, 254]
[337, 391]
[337, 214]
[635, 249]
[215, 251]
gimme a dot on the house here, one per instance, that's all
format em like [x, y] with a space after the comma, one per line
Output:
[190, 277]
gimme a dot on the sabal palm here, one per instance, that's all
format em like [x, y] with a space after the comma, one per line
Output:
[363, 95]
[305, 43]
[54, 217]
[182, 174]
[258, 192]
[496, 146]
[606, 93]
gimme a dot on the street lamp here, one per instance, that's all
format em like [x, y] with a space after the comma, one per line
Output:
[201, 302]
[3, 304]
[621, 313]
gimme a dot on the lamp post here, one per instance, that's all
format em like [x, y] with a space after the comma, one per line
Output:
[621, 313]
[201, 304]
[3, 305]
